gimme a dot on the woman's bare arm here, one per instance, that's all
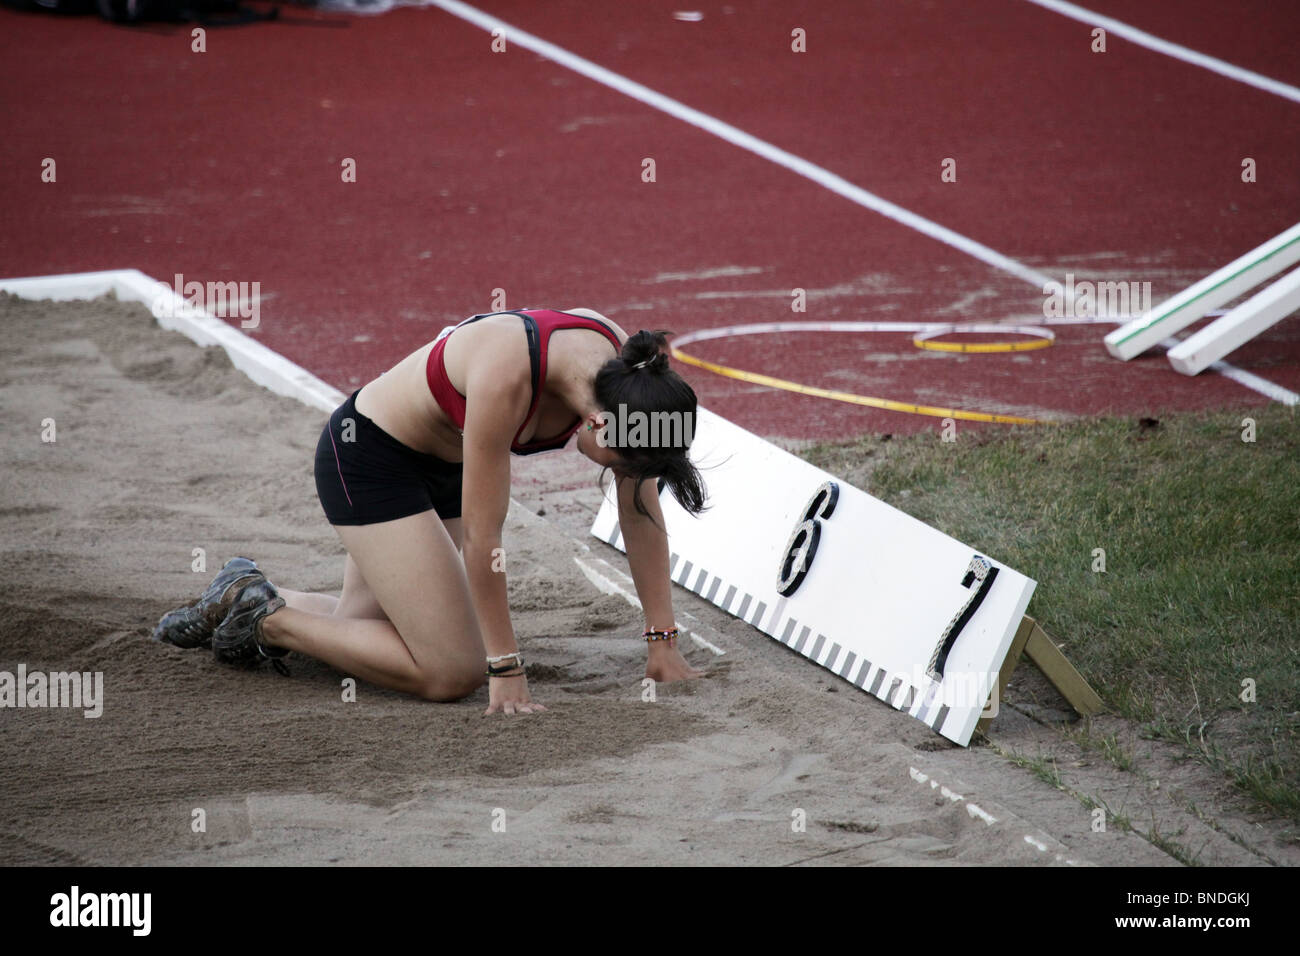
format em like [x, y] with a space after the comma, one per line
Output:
[498, 401]
[647, 556]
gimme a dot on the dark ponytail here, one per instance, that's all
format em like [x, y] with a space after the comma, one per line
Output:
[646, 349]
[639, 382]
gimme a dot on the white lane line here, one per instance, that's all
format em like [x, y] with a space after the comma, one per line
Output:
[605, 583]
[1248, 379]
[737, 137]
[976, 812]
[1152, 42]
[606, 580]
[1255, 383]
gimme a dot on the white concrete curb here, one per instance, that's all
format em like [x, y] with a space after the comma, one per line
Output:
[265, 367]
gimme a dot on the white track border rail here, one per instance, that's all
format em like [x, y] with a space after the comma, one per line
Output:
[1258, 313]
[267, 368]
[1245, 272]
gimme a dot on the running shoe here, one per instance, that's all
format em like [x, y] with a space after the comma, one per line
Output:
[192, 625]
[237, 639]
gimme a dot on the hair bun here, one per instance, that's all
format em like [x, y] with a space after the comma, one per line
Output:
[645, 350]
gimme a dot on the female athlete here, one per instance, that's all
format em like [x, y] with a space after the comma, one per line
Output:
[413, 472]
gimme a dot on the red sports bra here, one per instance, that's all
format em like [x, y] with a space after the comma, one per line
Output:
[538, 324]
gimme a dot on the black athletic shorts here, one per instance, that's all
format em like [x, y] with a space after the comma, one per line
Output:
[364, 475]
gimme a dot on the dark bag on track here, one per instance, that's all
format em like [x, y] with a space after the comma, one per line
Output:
[209, 13]
[206, 12]
[54, 6]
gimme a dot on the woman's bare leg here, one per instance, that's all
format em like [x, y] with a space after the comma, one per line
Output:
[309, 601]
[357, 600]
[427, 641]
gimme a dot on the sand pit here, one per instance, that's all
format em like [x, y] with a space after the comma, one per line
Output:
[162, 447]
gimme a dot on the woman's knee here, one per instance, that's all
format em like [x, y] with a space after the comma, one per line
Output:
[450, 684]
[326, 604]
[362, 608]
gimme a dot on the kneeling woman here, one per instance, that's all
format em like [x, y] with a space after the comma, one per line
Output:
[414, 468]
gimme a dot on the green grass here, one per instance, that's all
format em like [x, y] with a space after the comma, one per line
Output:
[1039, 766]
[1108, 746]
[1201, 590]
[1047, 771]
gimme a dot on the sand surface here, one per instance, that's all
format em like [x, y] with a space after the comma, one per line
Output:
[162, 447]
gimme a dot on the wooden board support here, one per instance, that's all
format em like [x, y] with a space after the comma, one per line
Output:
[1033, 641]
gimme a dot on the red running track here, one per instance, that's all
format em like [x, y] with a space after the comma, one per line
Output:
[481, 170]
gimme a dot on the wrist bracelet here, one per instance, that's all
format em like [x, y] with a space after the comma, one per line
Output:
[495, 671]
[656, 635]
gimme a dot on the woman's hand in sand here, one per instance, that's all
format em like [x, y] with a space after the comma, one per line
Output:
[665, 663]
[509, 695]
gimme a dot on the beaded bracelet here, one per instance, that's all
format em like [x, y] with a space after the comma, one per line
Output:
[656, 635]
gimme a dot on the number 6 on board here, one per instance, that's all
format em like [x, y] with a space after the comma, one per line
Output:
[802, 546]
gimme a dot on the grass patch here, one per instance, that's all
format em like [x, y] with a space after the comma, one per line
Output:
[1201, 539]
[1108, 746]
[1047, 771]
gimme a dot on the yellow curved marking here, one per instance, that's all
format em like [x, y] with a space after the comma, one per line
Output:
[981, 346]
[849, 397]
